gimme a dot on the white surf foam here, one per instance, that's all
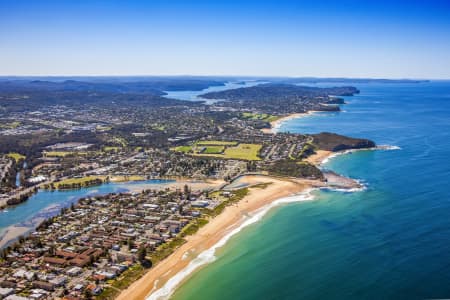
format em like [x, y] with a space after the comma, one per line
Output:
[208, 256]
[276, 127]
[352, 190]
[388, 147]
[380, 147]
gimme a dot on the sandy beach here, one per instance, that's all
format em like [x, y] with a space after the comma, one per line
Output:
[213, 232]
[12, 233]
[232, 217]
[319, 157]
[274, 125]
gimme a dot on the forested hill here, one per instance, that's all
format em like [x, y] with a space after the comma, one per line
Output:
[335, 142]
[33, 100]
[31, 94]
[270, 91]
[154, 86]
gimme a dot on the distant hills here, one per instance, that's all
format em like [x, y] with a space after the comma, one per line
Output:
[27, 93]
[154, 86]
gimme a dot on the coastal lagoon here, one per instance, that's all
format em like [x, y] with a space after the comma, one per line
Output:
[389, 241]
[49, 203]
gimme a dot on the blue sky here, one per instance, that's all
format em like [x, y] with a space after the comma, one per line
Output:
[388, 39]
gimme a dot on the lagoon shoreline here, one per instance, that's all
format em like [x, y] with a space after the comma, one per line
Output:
[10, 234]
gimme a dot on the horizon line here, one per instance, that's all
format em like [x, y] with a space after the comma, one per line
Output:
[234, 76]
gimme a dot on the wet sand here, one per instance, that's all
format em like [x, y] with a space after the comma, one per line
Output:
[319, 157]
[12, 233]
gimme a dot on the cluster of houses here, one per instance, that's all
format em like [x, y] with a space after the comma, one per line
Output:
[77, 252]
[274, 146]
[60, 117]
[6, 169]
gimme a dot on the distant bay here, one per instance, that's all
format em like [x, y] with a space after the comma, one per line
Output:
[194, 95]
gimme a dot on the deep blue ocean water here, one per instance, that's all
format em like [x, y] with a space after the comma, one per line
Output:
[390, 241]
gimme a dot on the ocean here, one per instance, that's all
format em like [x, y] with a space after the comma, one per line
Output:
[389, 241]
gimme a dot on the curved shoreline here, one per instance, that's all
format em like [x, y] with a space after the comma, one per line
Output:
[208, 256]
[200, 247]
[275, 125]
[323, 156]
[163, 280]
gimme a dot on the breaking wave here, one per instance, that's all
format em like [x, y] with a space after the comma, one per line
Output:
[208, 256]
[380, 147]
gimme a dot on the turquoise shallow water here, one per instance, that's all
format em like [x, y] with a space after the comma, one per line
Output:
[391, 241]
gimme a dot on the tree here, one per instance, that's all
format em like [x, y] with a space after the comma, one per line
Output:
[142, 253]
[39, 243]
[87, 293]
[51, 250]
[3, 254]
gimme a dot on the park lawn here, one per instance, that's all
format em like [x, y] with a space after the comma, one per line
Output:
[62, 153]
[254, 116]
[197, 148]
[119, 140]
[248, 115]
[11, 125]
[103, 128]
[216, 143]
[160, 128]
[262, 117]
[213, 149]
[16, 156]
[243, 151]
[111, 148]
[223, 149]
[123, 178]
[272, 118]
[184, 149]
[81, 180]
